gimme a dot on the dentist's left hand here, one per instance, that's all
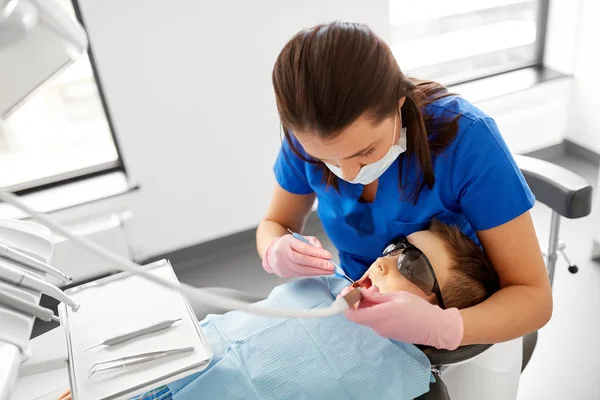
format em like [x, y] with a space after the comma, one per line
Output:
[408, 318]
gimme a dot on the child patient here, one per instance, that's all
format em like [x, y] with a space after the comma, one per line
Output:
[439, 264]
[274, 358]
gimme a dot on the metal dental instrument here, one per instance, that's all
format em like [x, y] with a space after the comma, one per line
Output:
[16, 276]
[28, 261]
[338, 270]
[137, 333]
[137, 359]
[25, 307]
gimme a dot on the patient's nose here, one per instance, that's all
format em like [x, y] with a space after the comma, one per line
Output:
[385, 264]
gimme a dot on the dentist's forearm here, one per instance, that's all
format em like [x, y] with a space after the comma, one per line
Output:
[512, 312]
[265, 233]
[286, 211]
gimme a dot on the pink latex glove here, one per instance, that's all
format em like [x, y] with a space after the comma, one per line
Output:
[408, 318]
[289, 257]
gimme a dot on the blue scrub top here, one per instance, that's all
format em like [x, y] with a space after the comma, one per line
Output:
[478, 186]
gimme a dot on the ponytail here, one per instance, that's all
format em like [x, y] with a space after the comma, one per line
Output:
[426, 135]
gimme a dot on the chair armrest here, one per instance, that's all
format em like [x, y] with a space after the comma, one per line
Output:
[560, 189]
[447, 357]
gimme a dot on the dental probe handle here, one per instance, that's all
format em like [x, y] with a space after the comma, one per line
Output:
[27, 308]
[338, 270]
[18, 277]
[28, 261]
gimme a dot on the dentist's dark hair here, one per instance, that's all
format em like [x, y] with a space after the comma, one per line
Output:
[327, 76]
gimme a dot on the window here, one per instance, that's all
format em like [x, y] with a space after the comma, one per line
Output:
[60, 134]
[461, 40]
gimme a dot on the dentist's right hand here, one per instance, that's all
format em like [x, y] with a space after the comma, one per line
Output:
[288, 257]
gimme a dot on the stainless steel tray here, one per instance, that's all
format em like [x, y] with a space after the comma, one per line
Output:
[74, 362]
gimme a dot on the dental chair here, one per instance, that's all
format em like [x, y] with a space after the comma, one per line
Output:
[566, 194]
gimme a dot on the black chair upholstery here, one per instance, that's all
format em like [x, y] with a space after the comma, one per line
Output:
[529, 342]
[437, 390]
[437, 357]
[447, 357]
[560, 189]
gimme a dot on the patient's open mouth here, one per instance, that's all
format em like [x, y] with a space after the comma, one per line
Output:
[364, 282]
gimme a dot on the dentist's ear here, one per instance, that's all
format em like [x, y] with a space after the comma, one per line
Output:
[401, 101]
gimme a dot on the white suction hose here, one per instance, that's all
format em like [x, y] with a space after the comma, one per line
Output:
[193, 294]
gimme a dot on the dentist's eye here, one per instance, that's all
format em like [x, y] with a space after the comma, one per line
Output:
[368, 153]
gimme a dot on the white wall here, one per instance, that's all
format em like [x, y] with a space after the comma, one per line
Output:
[189, 88]
[584, 113]
[584, 116]
[530, 119]
[539, 117]
[562, 35]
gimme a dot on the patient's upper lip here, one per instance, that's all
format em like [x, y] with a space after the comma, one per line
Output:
[365, 281]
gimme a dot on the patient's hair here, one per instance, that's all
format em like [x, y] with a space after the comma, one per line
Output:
[472, 277]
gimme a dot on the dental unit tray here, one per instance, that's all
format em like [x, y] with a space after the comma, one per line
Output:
[124, 303]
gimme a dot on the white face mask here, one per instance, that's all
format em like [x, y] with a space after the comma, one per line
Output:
[371, 172]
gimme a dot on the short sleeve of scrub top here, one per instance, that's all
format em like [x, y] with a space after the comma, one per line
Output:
[290, 169]
[478, 186]
[486, 181]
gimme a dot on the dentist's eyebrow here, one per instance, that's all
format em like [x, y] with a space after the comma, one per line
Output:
[365, 150]
[358, 153]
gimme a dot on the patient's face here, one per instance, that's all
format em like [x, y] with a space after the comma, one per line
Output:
[384, 273]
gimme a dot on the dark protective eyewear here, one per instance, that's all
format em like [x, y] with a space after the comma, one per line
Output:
[415, 266]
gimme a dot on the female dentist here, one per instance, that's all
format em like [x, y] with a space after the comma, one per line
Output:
[384, 154]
